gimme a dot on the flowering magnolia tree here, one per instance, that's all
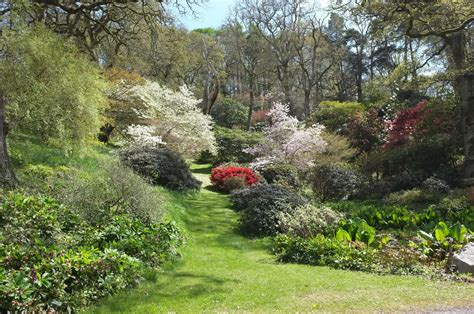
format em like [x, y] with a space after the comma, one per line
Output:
[287, 142]
[166, 117]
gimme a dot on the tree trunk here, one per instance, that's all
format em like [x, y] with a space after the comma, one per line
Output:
[466, 93]
[6, 172]
[464, 87]
[251, 104]
[205, 95]
[214, 96]
[307, 106]
[360, 97]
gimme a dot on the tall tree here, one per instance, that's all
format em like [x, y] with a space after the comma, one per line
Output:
[276, 21]
[92, 23]
[48, 89]
[314, 55]
[250, 51]
[453, 23]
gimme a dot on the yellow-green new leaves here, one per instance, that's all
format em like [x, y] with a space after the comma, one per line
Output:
[51, 89]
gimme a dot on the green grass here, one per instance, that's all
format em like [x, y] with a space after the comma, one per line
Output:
[221, 271]
[29, 150]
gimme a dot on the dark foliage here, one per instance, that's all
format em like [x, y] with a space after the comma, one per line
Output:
[331, 182]
[161, 166]
[281, 174]
[261, 207]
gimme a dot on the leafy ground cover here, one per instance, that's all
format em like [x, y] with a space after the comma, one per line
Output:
[226, 272]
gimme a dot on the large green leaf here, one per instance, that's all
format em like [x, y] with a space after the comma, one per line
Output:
[365, 233]
[458, 232]
[343, 235]
[441, 231]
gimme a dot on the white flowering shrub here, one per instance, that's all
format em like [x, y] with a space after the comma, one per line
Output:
[309, 220]
[287, 142]
[167, 117]
[144, 134]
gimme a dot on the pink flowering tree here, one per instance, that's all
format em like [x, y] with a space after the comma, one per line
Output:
[286, 141]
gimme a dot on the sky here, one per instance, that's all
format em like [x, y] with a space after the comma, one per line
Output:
[210, 14]
[213, 13]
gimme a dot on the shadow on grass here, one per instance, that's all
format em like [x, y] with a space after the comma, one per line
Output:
[213, 189]
[213, 234]
[205, 169]
[177, 287]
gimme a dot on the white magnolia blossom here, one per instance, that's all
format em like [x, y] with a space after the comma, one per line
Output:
[171, 117]
[287, 142]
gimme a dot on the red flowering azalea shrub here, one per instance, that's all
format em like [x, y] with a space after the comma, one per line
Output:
[405, 124]
[227, 178]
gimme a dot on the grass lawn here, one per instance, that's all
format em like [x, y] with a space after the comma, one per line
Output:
[221, 271]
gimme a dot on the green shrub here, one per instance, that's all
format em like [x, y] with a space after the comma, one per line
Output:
[53, 260]
[331, 182]
[48, 261]
[308, 221]
[334, 114]
[47, 279]
[100, 195]
[322, 251]
[280, 174]
[161, 167]
[407, 166]
[435, 185]
[232, 142]
[436, 243]
[382, 216]
[234, 183]
[411, 197]
[454, 208]
[152, 243]
[262, 206]
[338, 150]
[229, 113]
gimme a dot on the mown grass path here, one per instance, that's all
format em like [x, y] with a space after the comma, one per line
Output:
[221, 271]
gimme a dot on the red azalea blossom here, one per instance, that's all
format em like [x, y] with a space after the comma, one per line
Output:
[220, 174]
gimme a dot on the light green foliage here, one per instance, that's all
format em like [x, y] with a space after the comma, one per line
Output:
[356, 230]
[112, 189]
[322, 251]
[442, 234]
[232, 142]
[51, 89]
[338, 150]
[334, 114]
[410, 197]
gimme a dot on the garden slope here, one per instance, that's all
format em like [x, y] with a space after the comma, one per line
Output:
[225, 272]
